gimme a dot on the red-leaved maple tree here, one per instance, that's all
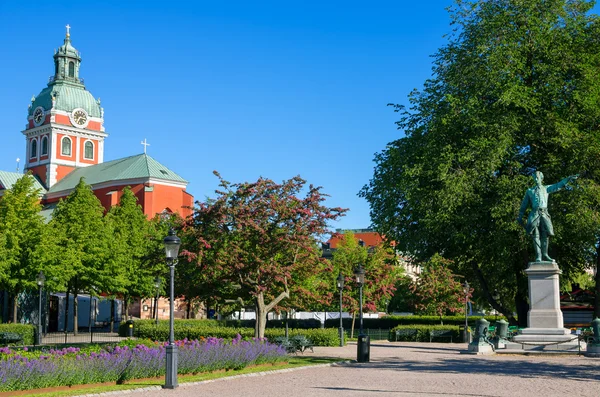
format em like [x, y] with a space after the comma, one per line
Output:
[253, 238]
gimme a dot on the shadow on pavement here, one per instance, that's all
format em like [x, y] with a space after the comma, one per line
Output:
[400, 392]
[514, 368]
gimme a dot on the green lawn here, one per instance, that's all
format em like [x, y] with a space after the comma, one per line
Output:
[295, 361]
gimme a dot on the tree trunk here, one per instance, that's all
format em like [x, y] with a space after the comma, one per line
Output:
[75, 311]
[521, 297]
[126, 306]
[262, 310]
[188, 309]
[15, 312]
[112, 315]
[67, 308]
[352, 327]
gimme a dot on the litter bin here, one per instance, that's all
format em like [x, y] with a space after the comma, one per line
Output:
[129, 328]
[363, 347]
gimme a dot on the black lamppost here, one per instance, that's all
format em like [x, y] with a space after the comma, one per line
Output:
[496, 297]
[340, 285]
[157, 284]
[41, 279]
[466, 331]
[363, 345]
[172, 243]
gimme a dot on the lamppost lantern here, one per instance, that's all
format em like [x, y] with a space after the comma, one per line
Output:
[172, 243]
[359, 274]
[466, 287]
[41, 279]
[157, 283]
[340, 280]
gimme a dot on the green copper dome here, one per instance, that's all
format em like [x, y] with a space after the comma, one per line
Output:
[68, 96]
[65, 88]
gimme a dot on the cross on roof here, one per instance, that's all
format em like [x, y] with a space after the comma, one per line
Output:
[145, 145]
[68, 29]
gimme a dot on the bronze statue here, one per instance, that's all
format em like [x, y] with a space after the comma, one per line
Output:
[539, 224]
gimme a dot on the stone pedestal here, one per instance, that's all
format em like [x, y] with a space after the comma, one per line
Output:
[545, 327]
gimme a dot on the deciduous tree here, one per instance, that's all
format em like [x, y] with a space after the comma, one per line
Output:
[515, 90]
[255, 236]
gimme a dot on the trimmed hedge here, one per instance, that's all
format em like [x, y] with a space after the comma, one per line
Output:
[27, 331]
[423, 333]
[393, 321]
[306, 323]
[197, 329]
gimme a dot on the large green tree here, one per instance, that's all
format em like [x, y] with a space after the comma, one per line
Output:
[515, 90]
[136, 249]
[22, 233]
[254, 237]
[81, 244]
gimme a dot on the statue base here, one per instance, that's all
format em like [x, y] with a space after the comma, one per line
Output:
[593, 350]
[545, 331]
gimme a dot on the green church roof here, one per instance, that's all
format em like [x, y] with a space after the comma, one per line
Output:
[8, 179]
[140, 166]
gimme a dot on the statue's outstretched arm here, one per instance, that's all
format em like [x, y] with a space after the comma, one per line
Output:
[557, 186]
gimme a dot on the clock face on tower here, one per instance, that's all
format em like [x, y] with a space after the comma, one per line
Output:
[38, 116]
[79, 118]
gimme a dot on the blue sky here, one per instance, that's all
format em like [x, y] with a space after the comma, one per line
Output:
[273, 89]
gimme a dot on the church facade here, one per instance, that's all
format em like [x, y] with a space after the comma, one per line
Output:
[64, 138]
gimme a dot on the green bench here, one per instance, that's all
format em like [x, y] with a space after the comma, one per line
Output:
[7, 338]
[439, 333]
[408, 333]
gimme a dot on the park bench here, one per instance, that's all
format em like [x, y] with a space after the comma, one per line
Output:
[439, 333]
[295, 344]
[7, 338]
[409, 333]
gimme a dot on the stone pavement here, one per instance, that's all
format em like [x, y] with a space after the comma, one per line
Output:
[413, 369]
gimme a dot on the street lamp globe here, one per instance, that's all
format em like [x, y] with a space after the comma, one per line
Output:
[157, 283]
[172, 243]
[41, 279]
[359, 274]
[340, 281]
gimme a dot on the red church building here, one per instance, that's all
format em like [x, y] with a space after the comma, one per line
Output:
[65, 142]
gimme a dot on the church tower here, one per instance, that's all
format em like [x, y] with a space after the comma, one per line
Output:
[65, 123]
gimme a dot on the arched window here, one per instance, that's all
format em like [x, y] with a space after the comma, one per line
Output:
[66, 146]
[71, 69]
[88, 150]
[33, 148]
[44, 146]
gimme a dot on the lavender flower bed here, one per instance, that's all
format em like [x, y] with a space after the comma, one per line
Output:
[71, 366]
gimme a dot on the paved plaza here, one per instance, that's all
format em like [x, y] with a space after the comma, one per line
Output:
[413, 369]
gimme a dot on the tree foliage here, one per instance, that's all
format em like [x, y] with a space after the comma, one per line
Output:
[437, 291]
[514, 90]
[21, 237]
[381, 273]
[253, 238]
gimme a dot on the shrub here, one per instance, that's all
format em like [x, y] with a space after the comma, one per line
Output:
[423, 332]
[27, 331]
[188, 330]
